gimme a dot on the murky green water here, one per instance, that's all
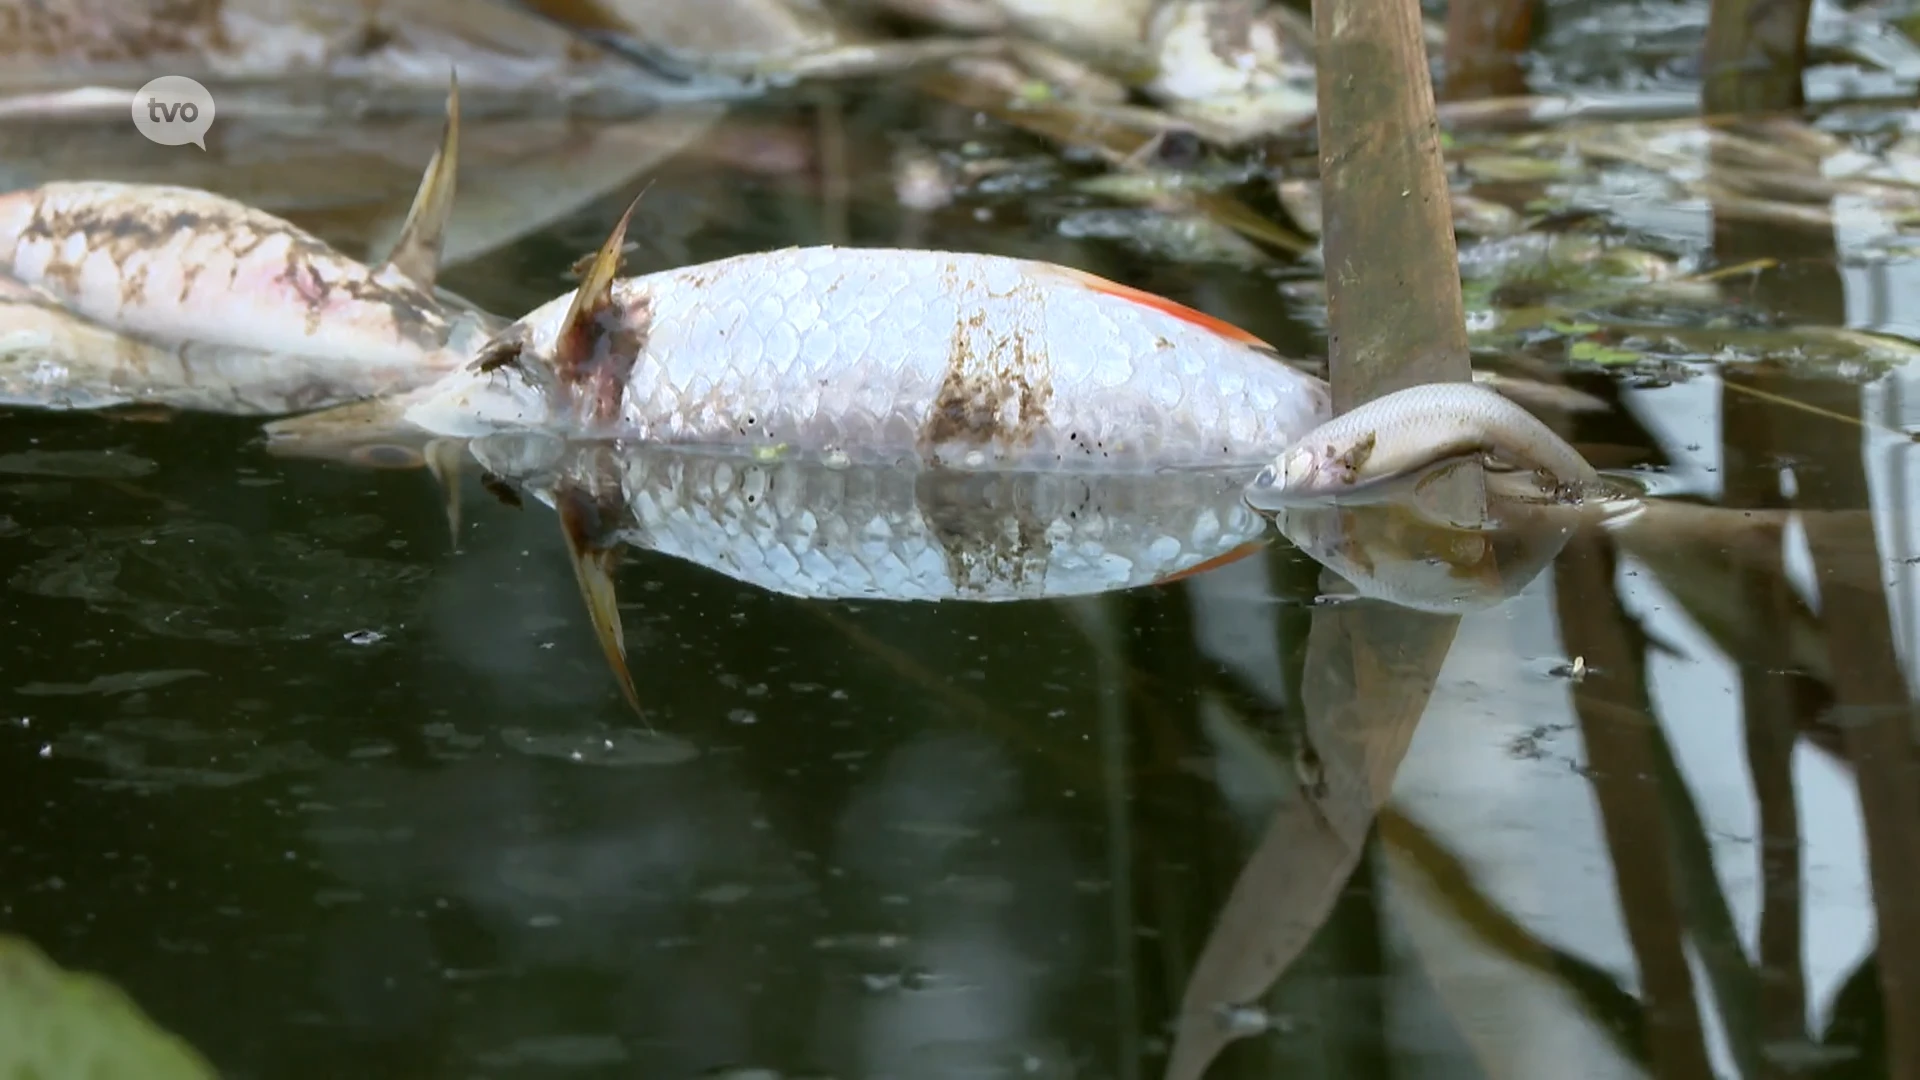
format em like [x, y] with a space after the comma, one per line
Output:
[330, 798]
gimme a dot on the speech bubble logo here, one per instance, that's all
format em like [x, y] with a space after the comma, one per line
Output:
[173, 110]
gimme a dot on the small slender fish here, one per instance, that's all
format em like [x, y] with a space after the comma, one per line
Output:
[1405, 432]
[232, 309]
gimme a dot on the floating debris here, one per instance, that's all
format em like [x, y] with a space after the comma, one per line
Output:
[124, 683]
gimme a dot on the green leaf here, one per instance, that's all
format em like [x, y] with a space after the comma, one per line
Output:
[1572, 329]
[1595, 353]
[1035, 91]
[61, 1025]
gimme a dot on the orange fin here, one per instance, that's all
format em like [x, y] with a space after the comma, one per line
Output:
[1170, 307]
[1251, 547]
[575, 342]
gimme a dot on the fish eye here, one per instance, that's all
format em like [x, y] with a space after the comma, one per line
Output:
[1267, 477]
[386, 456]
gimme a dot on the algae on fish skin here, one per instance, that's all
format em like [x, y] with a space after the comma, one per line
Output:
[56, 1024]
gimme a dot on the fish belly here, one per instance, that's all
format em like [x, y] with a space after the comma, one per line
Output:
[175, 265]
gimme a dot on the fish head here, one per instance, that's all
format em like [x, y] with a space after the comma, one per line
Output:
[1313, 468]
[504, 385]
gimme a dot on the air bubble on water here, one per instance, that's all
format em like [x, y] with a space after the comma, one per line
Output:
[46, 750]
[743, 716]
[1243, 1020]
[365, 637]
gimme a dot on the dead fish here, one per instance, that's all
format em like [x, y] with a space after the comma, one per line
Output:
[352, 184]
[1113, 33]
[1238, 69]
[389, 49]
[822, 528]
[965, 360]
[225, 308]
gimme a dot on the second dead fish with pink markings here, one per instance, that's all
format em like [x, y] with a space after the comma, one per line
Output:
[218, 306]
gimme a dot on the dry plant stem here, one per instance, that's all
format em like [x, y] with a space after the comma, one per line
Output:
[1394, 313]
[1875, 710]
[1485, 40]
[1616, 724]
[1395, 320]
[1755, 53]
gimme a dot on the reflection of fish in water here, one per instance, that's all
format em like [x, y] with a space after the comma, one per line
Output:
[125, 293]
[824, 529]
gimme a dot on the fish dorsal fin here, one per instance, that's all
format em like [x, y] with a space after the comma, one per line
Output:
[417, 250]
[1166, 306]
[577, 338]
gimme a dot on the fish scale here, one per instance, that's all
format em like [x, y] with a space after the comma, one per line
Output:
[809, 529]
[965, 359]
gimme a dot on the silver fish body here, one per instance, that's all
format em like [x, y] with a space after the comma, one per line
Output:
[813, 528]
[964, 360]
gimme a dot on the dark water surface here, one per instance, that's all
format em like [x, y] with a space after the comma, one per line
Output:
[331, 799]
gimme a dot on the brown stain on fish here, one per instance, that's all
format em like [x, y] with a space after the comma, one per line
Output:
[595, 357]
[998, 395]
[987, 531]
[128, 229]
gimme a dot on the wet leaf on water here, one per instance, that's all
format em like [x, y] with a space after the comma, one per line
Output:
[123, 683]
[1502, 169]
[152, 754]
[1180, 238]
[1593, 352]
[1572, 329]
[213, 582]
[615, 748]
[76, 464]
[1035, 90]
[56, 1024]
[352, 528]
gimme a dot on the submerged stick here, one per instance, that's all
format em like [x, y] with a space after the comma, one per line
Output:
[1395, 320]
